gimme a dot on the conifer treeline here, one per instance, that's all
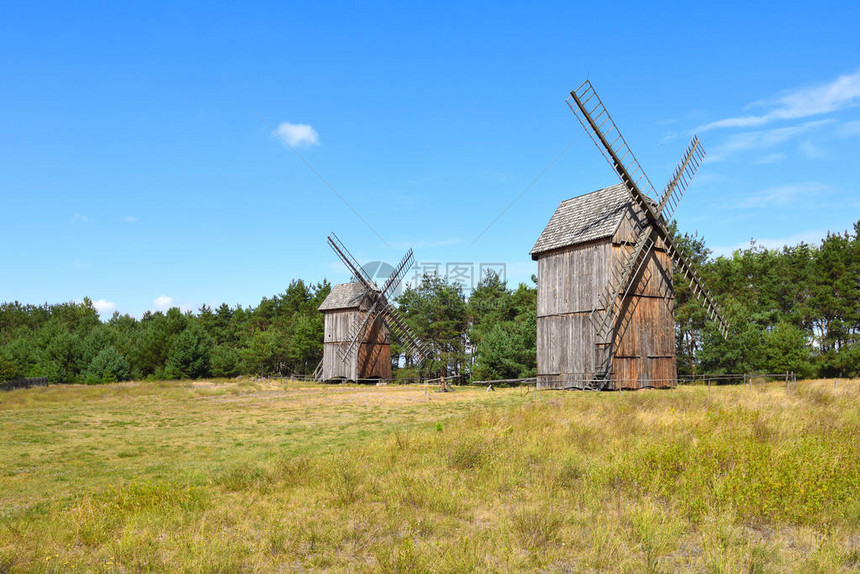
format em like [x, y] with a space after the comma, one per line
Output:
[794, 309]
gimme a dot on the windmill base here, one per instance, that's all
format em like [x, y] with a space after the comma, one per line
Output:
[587, 382]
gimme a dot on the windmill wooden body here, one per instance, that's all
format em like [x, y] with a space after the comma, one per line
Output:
[359, 320]
[605, 264]
[346, 305]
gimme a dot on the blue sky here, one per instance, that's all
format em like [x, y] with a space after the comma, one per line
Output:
[137, 166]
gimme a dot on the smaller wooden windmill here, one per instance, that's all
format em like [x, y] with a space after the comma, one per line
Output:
[605, 294]
[359, 320]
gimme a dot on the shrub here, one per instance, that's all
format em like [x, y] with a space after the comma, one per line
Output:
[109, 366]
[8, 370]
[224, 361]
[189, 355]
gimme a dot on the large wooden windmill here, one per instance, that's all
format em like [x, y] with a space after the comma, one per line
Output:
[358, 323]
[605, 293]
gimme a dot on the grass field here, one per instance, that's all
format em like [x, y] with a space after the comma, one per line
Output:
[263, 477]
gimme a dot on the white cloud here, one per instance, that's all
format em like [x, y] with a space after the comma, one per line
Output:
[763, 139]
[104, 307]
[781, 195]
[79, 218]
[163, 303]
[166, 302]
[298, 135]
[843, 92]
[129, 219]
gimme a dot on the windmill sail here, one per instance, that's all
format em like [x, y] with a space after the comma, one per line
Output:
[595, 119]
[404, 332]
[351, 262]
[624, 274]
[607, 137]
[681, 178]
[378, 301]
[380, 305]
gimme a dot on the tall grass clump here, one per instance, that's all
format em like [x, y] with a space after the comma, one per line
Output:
[245, 476]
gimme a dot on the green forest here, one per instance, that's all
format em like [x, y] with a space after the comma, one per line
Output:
[793, 309]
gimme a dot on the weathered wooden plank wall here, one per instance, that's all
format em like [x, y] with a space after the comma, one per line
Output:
[645, 342]
[631, 224]
[333, 366]
[372, 359]
[374, 353]
[571, 279]
[568, 290]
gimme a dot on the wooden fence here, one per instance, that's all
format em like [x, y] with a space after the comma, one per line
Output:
[24, 383]
[748, 379]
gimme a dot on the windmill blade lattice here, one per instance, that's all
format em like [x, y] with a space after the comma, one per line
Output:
[380, 305]
[357, 329]
[595, 119]
[697, 285]
[397, 323]
[404, 332]
[355, 334]
[681, 178]
[623, 275]
[351, 262]
[379, 300]
[398, 274]
[592, 114]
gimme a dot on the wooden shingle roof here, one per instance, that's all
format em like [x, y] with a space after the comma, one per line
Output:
[344, 296]
[585, 218]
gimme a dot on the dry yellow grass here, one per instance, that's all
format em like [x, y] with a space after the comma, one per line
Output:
[260, 477]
